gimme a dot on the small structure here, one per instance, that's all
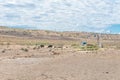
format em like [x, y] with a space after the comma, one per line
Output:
[84, 43]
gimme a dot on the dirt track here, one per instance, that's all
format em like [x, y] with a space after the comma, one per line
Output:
[67, 66]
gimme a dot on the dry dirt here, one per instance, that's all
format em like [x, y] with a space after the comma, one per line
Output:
[69, 64]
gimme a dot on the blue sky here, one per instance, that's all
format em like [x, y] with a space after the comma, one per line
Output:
[114, 28]
[62, 15]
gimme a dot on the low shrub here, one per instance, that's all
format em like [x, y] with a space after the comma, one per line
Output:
[24, 49]
[89, 47]
[3, 51]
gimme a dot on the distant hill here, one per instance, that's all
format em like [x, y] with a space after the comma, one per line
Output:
[53, 35]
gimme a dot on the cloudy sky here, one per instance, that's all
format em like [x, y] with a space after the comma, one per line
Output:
[62, 15]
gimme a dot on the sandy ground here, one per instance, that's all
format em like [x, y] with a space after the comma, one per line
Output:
[68, 65]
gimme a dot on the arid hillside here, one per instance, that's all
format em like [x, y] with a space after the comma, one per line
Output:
[24, 36]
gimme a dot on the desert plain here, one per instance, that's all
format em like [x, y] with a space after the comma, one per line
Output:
[23, 58]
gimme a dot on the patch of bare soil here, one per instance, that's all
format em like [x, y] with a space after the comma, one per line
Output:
[46, 64]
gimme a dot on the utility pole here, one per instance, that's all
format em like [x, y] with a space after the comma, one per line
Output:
[99, 40]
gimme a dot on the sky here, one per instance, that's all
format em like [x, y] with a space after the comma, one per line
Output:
[62, 15]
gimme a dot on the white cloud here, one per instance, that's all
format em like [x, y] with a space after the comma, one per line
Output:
[61, 14]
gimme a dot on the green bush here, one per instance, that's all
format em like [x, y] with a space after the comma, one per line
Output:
[89, 47]
[75, 45]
